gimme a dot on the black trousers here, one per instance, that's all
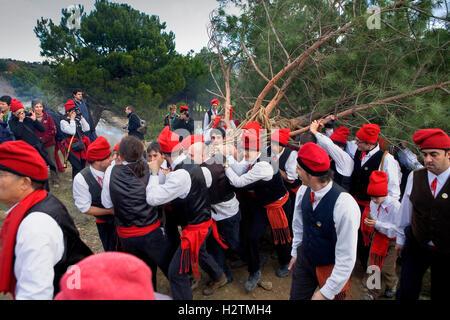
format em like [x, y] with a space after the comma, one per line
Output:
[152, 248]
[416, 259]
[257, 223]
[180, 285]
[304, 279]
[362, 251]
[108, 235]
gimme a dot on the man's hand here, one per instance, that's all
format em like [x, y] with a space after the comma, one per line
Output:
[21, 116]
[318, 296]
[72, 115]
[314, 126]
[155, 165]
[291, 263]
[33, 115]
[398, 249]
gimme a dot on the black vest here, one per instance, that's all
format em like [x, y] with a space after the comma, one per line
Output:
[221, 189]
[430, 219]
[74, 248]
[270, 191]
[96, 193]
[319, 232]
[360, 175]
[128, 195]
[196, 207]
[341, 180]
[209, 115]
[282, 166]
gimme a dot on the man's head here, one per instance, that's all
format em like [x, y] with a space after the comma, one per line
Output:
[172, 109]
[214, 104]
[22, 171]
[154, 152]
[77, 94]
[38, 108]
[279, 140]
[435, 147]
[313, 165]
[184, 110]
[5, 101]
[169, 143]
[251, 143]
[99, 154]
[339, 137]
[128, 109]
[367, 137]
[306, 137]
[217, 136]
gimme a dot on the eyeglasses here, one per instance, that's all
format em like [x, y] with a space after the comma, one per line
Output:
[360, 141]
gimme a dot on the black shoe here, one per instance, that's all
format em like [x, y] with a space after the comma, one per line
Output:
[283, 271]
[253, 280]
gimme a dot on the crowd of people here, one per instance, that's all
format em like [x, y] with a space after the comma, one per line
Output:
[204, 200]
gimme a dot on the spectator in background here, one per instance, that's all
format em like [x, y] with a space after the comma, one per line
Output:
[133, 123]
[48, 136]
[5, 115]
[24, 127]
[211, 114]
[168, 120]
[184, 121]
[80, 103]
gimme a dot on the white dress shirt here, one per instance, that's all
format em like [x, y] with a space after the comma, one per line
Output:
[39, 247]
[206, 118]
[177, 185]
[260, 171]
[81, 194]
[346, 216]
[391, 168]
[344, 163]
[404, 217]
[70, 128]
[291, 164]
[385, 215]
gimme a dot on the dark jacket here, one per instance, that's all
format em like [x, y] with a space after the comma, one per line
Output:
[133, 124]
[5, 131]
[26, 130]
[48, 136]
[181, 124]
[168, 120]
[91, 134]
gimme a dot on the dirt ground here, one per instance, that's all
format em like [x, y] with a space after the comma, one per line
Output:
[232, 291]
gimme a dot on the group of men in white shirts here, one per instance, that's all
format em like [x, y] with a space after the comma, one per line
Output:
[326, 204]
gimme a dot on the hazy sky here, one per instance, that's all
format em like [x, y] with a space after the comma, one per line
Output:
[186, 18]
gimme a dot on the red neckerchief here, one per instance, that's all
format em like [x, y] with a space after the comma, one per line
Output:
[8, 239]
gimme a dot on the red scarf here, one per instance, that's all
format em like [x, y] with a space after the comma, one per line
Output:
[278, 220]
[8, 239]
[379, 249]
[366, 231]
[192, 237]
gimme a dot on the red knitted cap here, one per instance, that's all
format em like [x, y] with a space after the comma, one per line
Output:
[340, 135]
[215, 101]
[431, 139]
[15, 105]
[190, 140]
[250, 140]
[378, 184]
[107, 276]
[182, 108]
[169, 141]
[368, 133]
[313, 159]
[22, 159]
[69, 105]
[281, 136]
[98, 150]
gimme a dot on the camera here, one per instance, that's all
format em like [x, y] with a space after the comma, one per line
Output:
[78, 112]
[186, 114]
[28, 114]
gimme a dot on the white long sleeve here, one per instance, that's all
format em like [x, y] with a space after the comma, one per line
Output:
[81, 194]
[106, 196]
[385, 216]
[70, 127]
[344, 163]
[39, 247]
[260, 171]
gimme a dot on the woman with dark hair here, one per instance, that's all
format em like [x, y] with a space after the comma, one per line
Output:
[138, 225]
[48, 136]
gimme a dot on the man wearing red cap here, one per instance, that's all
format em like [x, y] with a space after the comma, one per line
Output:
[183, 125]
[74, 126]
[325, 227]
[271, 205]
[185, 187]
[39, 240]
[380, 224]
[368, 158]
[210, 115]
[423, 238]
[341, 164]
[224, 205]
[87, 192]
